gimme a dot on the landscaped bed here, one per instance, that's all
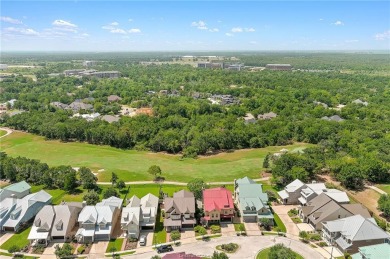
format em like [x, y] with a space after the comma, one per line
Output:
[228, 248]
[264, 254]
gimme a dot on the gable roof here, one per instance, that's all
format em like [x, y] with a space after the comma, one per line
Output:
[149, 201]
[357, 228]
[245, 180]
[131, 214]
[88, 215]
[294, 185]
[182, 202]
[113, 202]
[62, 218]
[18, 187]
[104, 214]
[183, 194]
[373, 251]
[134, 201]
[217, 199]
[42, 223]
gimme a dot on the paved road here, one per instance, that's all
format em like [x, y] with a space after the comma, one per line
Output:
[249, 247]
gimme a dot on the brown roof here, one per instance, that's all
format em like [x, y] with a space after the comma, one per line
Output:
[182, 202]
[113, 98]
[357, 209]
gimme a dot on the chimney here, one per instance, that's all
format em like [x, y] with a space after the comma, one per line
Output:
[83, 204]
[13, 196]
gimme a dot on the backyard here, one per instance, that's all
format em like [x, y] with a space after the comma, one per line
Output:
[131, 165]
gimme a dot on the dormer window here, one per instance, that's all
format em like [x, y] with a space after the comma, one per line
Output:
[37, 223]
[59, 225]
[253, 208]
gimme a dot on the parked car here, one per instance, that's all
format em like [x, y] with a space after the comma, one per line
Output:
[142, 241]
[164, 248]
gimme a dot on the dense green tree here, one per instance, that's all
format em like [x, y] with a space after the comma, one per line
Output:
[70, 182]
[120, 184]
[155, 171]
[280, 251]
[87, 178]
[114, 178]
[196, 186]
[63, 252]
[384, 204]
[266, 160]
[219, 255]
[91, 197]
[110, 192]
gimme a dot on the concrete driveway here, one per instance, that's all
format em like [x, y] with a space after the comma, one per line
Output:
[149, 237]
[227, 229]
[291, 227]
[4, 237]
[99, 247]
[50, 249]
[249, 247]
[252, 229]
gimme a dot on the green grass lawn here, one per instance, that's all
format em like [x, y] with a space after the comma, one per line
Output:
[2, 132]
[279, 223]
[115, 243]
[384, 187]
[237, 227]
[264, 254]
[160, 234]
[131, 165]
[19, 239]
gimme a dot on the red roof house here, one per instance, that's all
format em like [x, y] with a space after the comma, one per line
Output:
[218, 205]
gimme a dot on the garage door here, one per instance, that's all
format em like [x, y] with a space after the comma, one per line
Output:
[147, 227]
[58, 237]
[102, 237]
[8, 229]
[250, 219]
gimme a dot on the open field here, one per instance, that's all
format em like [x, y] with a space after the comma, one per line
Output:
[384, 187]
[131, 165]
[2, 132]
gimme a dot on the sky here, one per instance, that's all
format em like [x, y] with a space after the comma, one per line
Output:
[87, 25]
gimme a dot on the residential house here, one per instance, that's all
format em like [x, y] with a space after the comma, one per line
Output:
[350, 233]
[218, 205]
[335, 118]
[16, 212]
[380, 251]
[251, 201]
[283, 67]
[19, 190]
[113, 98]
[179, 211]
[249, 118]
[76, 106]
[298, 192]
[97, 222]
[59, 105]
[40, 230]
[291, 192]
[358, 101]
[323, 208]
[267, 116]
[65, 220]
[139, 214]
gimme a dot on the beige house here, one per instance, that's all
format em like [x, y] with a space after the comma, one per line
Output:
[179, 211]
[323, 208]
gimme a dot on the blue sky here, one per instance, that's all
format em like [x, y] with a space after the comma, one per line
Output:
[200, 25]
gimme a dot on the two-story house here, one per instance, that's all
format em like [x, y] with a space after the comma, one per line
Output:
[179, 211]
[251, 201]
[350, 233]
[16, 212]
[96, 222]
[291, 192]
[323, 208]
[40, 230]
[218, 205]
[139, 214]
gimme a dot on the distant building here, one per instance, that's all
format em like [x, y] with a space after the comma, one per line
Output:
[249, 118]
[145, 111]
[73, 72]
[106, 74]
[89, 63]
[210, 65]
[267, 116]
[110, 118]
[78, 105]
[236, 67]
[358, 101]
[59, 105]
[333, 118]
[114, 98]
[283, 67]
[3, 66]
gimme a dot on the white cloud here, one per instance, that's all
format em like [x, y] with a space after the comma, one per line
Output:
[85, 35]
[10, 20]
[229, 34]
[62, 23]
[253, 42]
[250, 30]
[338, 23]
[237, 29]
[118, 31]
[320, 19]
[130, 20]
[201, 25]
[114, 23]
[21, 31]
[383, 36]
[134, 31]
[108, 27]
[214, 30]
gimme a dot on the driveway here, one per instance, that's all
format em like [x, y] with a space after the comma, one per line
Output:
[50, 249]
[291, 227]
[249, 247]
[187, 233]
[99, 247]
[227, 229]
[5, 237]
[252, 229]
[149, 237]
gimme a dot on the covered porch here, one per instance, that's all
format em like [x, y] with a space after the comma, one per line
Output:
[85, 236]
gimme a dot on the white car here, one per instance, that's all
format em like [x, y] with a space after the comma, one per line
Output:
[142, 241]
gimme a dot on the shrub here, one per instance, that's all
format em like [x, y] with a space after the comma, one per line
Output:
[316, 237]
[197, 228]
[229, 247]
[322, 244]
[13, 249]
[280, 251]
[81, 249]
[175, 235]
[215, 229]
[293, 212]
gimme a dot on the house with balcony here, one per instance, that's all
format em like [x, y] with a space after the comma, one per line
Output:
[139, 214]
[218, 205]
[251, 201]
[323, 208]
[301, 193]
[97, 222]
[350, 233]
[179, 211]
[15, 212]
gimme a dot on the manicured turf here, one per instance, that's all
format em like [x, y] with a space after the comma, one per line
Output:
[279, 223]
[384, 187]
[115, 243]
[2, 132]
[19, 239]
[264, 254]
[131, 165]
[238, 228]
[160, 234]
